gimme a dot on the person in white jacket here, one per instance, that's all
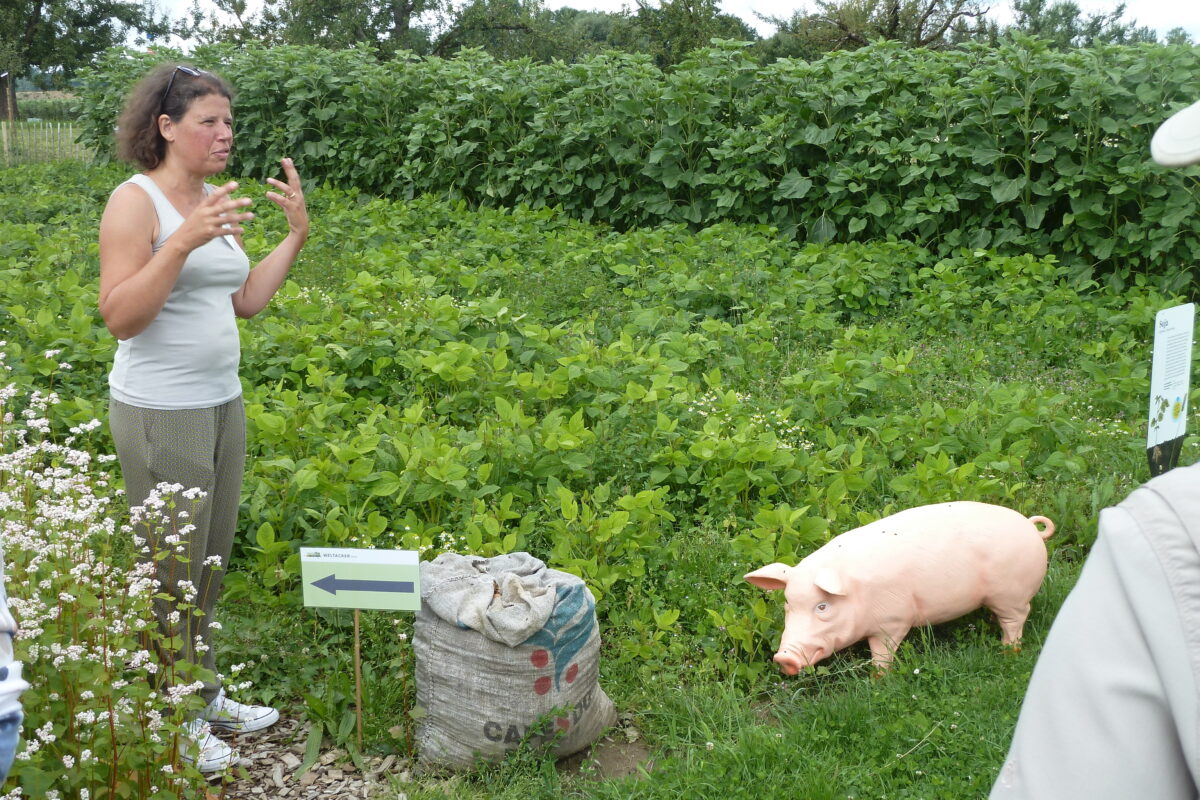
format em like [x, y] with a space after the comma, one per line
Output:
[1113, 708]
[11, 684]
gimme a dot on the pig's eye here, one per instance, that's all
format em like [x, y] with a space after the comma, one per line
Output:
[821, 608]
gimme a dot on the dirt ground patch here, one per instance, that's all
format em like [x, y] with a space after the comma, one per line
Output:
[269, 767]
[270, 761]
[610, 759]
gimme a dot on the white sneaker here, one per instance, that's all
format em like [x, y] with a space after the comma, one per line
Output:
[235, 717]
[206, 751]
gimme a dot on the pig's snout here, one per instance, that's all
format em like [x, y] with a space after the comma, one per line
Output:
[792, 658]
[788, 663]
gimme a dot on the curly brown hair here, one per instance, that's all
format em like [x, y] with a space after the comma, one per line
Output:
[167, 89]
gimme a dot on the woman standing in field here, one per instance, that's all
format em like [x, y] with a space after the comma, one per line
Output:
[173, 276]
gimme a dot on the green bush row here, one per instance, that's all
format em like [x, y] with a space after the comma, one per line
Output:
[485, 381]
[1016, 148]
[56, 109]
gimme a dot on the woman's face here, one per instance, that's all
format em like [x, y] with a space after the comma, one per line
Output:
[203, 138]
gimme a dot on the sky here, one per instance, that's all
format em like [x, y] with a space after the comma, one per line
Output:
[1161, 15]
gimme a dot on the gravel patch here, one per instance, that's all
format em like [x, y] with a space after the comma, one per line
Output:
[270, 761]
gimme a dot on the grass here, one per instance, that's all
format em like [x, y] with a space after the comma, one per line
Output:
[936, 726]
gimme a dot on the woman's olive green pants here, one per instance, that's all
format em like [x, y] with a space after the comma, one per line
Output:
[196, 448]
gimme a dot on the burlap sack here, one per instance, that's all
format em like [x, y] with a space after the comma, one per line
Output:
[507, 651]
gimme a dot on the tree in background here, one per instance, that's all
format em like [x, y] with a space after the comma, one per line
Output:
[54, 38]
[385, 26]
[205, 27]
[1063, 24]
[673, 28]
[504, 28]
[937, 24]
[593, 30]
[850, 24]
[1178, 36]
[8, 80]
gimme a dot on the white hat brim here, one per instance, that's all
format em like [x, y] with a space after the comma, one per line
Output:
[1176, 143]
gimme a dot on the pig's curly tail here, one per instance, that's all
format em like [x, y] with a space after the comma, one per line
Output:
[1047, 529]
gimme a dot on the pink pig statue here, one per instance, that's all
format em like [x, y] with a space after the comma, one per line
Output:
[920, 566]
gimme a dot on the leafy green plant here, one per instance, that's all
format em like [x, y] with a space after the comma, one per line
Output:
[42, 107]
[1017, 149]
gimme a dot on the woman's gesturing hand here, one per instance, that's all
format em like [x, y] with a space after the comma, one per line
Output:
[217, 215]
[270, 273]
[290, 197]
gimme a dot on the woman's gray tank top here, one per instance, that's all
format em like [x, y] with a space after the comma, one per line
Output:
[188, 356]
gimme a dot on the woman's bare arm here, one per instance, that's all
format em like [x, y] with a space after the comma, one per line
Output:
[134, 280]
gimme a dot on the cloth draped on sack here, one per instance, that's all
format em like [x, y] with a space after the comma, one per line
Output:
[507, 652]
[507, 598]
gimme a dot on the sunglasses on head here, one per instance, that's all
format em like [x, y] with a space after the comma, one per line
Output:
[195, 73]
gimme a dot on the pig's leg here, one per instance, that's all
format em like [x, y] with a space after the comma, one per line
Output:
[883, 647]
[1012, 622]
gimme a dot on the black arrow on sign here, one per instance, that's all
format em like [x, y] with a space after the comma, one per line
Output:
[331, 584]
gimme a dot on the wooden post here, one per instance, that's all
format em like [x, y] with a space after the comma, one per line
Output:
[358, 710]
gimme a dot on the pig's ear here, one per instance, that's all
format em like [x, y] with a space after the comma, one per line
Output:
[770, 577]
[829, 581]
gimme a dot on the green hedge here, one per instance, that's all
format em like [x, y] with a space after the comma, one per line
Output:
[53, 109]
[1017, 148]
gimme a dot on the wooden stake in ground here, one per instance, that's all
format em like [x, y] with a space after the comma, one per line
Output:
[358, 706]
